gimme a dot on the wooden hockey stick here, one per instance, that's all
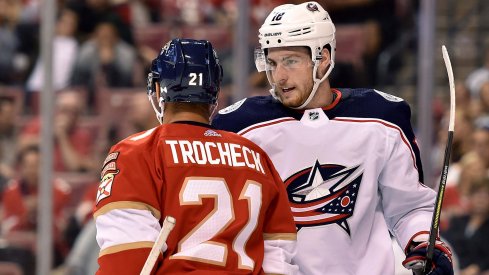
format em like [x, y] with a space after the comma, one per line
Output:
[166, 228]
[435, 222]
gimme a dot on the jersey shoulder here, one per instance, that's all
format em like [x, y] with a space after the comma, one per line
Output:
[124, 172]
[135, 143]
[249, 111]
[371, 103]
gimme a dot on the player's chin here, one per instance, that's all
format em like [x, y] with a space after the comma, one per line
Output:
[290, 102]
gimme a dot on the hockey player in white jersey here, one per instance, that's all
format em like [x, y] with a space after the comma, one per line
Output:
[348, 157]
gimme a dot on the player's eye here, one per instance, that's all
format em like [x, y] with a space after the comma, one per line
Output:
[271, 64]
[289, 62]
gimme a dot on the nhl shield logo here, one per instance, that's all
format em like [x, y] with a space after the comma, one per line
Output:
[313, 115]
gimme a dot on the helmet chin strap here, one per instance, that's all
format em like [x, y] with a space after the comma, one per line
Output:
[159, 113]
[316, 84]
[314, 87]
[213, 108]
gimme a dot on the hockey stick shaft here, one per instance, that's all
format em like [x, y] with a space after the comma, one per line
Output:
[435, 222]
[166, 228]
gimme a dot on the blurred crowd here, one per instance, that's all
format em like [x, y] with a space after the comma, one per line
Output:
[465, 212]
[102, 50]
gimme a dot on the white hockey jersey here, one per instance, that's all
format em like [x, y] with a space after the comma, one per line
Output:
[352, 172]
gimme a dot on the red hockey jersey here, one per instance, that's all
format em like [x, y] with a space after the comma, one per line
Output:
[231, 208]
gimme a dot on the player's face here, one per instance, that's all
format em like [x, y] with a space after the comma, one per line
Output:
[480, 202]
[290, 69]
[481, 144]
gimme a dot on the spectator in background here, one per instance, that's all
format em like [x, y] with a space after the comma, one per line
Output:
[462, 153]
[481, 107]
[137, 118]
[20, 202]
[462, 140]
[83, 257]
[468, 233]
[82, 215]
[478, 77]
[65, 51]
[475, 163]
[140, 13]
[105, 60]
[8, 136]
[12, 62]
[74, 144]
[141, 117]
[381, 21]
[95, 12]
[463, 99]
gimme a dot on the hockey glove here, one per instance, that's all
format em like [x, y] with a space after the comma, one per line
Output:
[416, 256]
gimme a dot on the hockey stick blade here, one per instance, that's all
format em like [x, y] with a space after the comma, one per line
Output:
[435, 222]
[166, 228]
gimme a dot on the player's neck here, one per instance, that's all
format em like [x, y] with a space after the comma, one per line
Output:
[323, 97]
[185, 116]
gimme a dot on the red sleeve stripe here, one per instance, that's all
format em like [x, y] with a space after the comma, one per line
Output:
[265, 124]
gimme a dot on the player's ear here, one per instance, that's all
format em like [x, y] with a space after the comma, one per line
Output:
[325, 62]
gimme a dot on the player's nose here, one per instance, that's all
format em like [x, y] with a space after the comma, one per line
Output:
[280, 75]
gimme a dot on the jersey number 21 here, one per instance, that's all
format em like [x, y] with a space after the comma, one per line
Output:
[195, 245]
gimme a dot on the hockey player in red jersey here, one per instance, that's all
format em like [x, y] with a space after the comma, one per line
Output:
[230, 205]
[348, 157]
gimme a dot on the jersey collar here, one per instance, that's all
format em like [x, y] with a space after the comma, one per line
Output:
[337, 98]
[194, 123]
[337, 95]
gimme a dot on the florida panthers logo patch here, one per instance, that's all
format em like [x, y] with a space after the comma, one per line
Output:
[109, 171]
[324, 194]
[105, 187]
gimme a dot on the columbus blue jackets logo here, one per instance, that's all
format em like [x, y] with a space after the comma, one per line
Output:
[312, 7]
[324, 194]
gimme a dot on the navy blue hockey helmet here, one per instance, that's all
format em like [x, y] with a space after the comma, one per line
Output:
[186, 70]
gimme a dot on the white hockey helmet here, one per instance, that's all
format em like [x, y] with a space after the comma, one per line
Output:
[306, 24]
